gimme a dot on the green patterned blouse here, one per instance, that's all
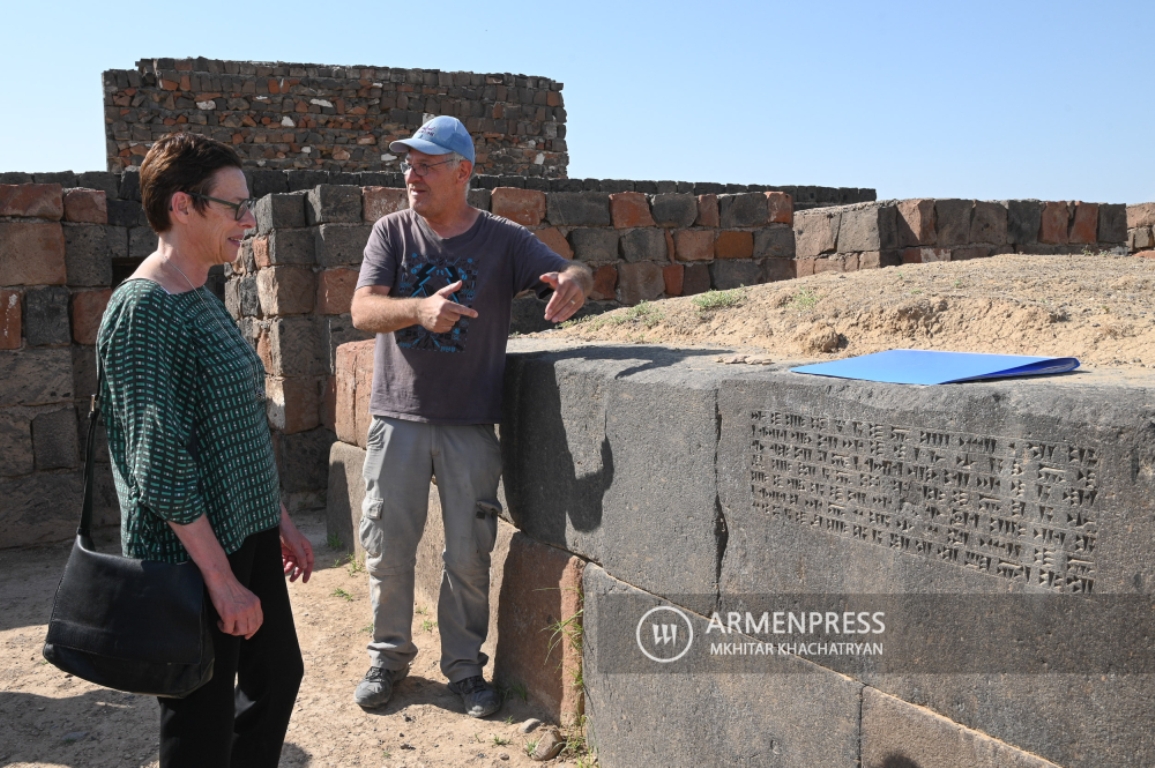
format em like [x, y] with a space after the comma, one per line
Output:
[182, 401]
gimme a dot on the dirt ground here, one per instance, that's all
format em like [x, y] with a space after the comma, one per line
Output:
[1099, 308]
[48, 719]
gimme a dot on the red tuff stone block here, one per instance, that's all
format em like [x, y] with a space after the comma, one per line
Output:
[1085, 227]
[804, 267]
[605, 281]
[555, 241]
[673, 274]
[345, 413]
[335, 289]
[1053, 229]
[87, 206]
[1145, 255]
[37, 201]
[1141, 215]
[630, 209]
[541, 585]
[827, 265]
[734, 245]
[265, 348]
[924, 255]
[524, 206]
[286, 290]
[32, 253]
[364, 391]
[640, 282]
[382, 201]
[779, 208]
[916, 222]
[9, 319]
[87, 310]
[671, 249]
[695, 244]
[707, 211]
[261, 252]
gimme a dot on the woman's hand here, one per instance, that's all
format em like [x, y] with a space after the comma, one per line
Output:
[296, 551]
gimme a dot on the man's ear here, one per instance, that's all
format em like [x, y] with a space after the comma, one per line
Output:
[464, 170]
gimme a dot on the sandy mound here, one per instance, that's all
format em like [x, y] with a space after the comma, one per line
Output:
[1098, 308]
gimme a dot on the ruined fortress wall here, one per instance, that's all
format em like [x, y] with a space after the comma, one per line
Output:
[310, 116]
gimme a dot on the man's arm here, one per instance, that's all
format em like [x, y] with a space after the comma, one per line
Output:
[571, 286]
[375, 311]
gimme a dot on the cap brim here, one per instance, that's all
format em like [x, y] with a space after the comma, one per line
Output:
[421, 145]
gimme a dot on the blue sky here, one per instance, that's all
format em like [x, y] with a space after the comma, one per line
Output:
[980, 99]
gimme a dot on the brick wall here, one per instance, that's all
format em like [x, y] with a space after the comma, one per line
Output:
[846, 238]
[309, 116]
[1140, 227]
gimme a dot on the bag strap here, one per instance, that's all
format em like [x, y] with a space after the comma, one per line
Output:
[84, 531]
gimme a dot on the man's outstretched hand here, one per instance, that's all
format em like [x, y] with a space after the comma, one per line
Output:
[439, 313]
[568, 296]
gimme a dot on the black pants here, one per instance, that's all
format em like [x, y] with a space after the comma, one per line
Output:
[220, 725]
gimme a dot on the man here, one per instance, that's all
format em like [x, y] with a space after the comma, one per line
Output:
[435, 286]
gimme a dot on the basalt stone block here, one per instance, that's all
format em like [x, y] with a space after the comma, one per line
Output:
[871, 227]
[54, 442]
[302, 459]
[292, 246]
[39, 508]
[129, 186]
[726, 274]
[644, 245]
[298, 346]
[126, 213]
[46, 316]
[268, 182]
[339, 330]
[954, 221]
[1112, 223]
[302, 181]
[742, 210]
[89, 250]
[142, 241]
[344, 494]
[639, 282]
[1024, 219]
[688, 714]
[281, 211]
[16, 456]
[578, 209]
[634, 504]
[286, 290]
[775, 241]
[1021, 487]
[897, 733]
[816, 232]
[989, 224]
[330, 203]
[341, 244]
[594, 245]
[674, 210]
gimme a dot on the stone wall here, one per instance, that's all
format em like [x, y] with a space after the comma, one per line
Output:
[1141, 229]
[892, 232]
[57, 251]
[310, 116]
[674, 481]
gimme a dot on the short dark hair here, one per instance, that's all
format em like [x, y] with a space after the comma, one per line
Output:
[181, 162]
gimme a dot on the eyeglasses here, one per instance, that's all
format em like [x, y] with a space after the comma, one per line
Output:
[239, 209]
[421, 169]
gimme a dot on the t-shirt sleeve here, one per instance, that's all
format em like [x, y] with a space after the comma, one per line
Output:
[379, 265]
[532, 259]
[152, 409]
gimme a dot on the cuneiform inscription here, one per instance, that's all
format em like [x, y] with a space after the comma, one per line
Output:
[1015, 508]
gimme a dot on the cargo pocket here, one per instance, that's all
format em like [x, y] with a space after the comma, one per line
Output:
[485, 525]
[370, 530]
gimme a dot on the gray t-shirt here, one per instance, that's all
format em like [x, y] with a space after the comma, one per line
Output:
[453, 377]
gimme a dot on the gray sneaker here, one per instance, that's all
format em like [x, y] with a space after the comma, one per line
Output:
[478, 696]
[376, 687]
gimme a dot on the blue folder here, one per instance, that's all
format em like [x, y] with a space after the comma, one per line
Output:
[916, 366]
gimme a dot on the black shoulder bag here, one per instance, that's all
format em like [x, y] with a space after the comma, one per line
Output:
[133, 625]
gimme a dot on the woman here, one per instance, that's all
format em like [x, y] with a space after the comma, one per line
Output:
[192, 457]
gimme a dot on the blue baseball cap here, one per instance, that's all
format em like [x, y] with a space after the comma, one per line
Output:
[439, 136]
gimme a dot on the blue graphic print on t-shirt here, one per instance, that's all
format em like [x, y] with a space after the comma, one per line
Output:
[424, 277]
